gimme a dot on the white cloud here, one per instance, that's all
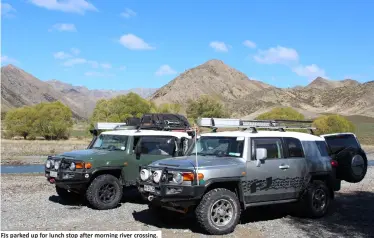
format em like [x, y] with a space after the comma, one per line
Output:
[128, 13]
[249, 44]
[165, 70]
[61, 55]
[277, 55]
[72, 6]
[219, 46]
[98, 74]
[64, 27]
[133, 42]
[72, 62]
[7, 10]
[7, 60]
[310, 71]
[93, 63]
[123, 67]
[75, 51]
[106, 66]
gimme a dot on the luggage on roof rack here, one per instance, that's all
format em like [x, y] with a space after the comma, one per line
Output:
[280, 125]
[164, 121]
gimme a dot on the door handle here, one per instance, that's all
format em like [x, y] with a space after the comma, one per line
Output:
[284, 166]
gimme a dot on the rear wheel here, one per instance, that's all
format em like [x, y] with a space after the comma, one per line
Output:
[316, 200]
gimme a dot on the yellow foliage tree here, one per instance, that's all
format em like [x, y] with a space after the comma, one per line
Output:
[333, 124]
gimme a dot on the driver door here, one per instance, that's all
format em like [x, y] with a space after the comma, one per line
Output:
[268, 180]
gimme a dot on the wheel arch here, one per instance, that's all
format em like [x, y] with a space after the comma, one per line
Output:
[232, 184]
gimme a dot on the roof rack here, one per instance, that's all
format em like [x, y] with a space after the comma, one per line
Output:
[253, 125]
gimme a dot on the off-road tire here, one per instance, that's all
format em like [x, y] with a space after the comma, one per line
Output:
[67, 196]
[203, 211]
[93, 195]
[306, 202]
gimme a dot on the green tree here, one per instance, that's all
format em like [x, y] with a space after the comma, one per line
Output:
[19, 121]
[205, 106]
[54, 120]
[333, 124]
[120, 108]
[281, 113]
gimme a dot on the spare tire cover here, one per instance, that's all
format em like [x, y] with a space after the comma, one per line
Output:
[352, 165]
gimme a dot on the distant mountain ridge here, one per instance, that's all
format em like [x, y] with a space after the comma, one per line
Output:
[19, 88]
[242, 96]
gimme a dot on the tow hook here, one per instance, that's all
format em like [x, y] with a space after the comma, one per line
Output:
[150, 198]
[52, 180]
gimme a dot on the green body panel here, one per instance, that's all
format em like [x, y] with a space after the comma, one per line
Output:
[127, 160]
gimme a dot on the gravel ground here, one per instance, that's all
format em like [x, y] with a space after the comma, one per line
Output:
[28, 202]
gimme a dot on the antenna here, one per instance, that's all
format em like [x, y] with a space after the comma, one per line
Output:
[253, 125]
[196, 160]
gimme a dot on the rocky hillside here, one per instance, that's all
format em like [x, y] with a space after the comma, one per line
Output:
[213, 78]
[246, 98]
[19, 88]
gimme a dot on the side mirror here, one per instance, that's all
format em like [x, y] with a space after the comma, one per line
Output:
[261, 155]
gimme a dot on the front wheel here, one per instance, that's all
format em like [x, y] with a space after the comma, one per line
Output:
[218, 212]
[105, 192]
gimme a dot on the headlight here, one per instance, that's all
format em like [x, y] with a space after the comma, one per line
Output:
[57, 165]
[72, 166]
[157, 176]
[48, 164]
[145, 174]
[177, 178]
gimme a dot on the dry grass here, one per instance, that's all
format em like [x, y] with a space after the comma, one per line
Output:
[19, 150]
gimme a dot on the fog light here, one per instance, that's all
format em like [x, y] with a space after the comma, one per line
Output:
[144, 174]
[72, 166]
[48, 164]
[157, 176]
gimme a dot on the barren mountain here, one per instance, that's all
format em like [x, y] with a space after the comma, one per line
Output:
[244, 97]
[19, 88]
[213, 78]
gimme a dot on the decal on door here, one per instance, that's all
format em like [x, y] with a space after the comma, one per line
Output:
[269, 183]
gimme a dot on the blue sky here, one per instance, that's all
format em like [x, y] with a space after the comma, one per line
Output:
[119, 44]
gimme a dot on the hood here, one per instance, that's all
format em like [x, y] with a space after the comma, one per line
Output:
[189, 162]
[81, 154]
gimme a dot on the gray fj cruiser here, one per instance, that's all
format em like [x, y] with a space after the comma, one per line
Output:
[226, 172]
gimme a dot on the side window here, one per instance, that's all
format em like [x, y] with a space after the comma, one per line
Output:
[294, 147]
[322, 147]
[157, 145]
[272, 145]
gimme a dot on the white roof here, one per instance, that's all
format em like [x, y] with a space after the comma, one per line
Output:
[298, 135]
[147, 133]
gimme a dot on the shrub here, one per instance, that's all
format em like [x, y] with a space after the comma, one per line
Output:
[333, 124]
[281, 113]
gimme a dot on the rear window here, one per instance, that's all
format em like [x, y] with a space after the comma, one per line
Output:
[322, 147]
[340, 142]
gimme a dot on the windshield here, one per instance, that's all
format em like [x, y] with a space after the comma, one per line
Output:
[110, 142]
[218, 146]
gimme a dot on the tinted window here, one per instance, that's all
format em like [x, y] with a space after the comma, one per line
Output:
[322, 147]
[272, 145]
[218, 146]
[157, 145]
[340, 142]
[294, 147]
